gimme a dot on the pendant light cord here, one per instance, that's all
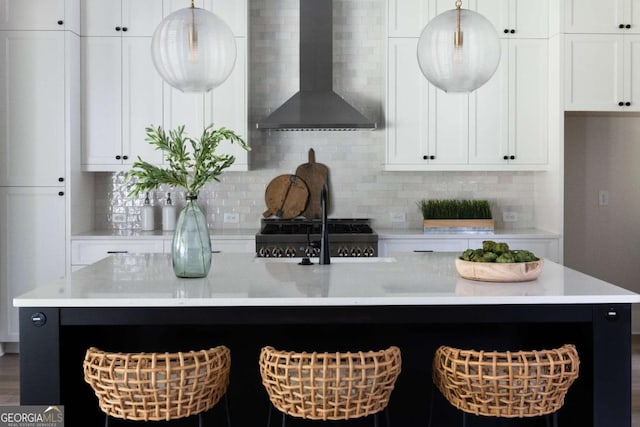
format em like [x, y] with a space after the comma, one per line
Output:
[193, 5]
[458, 34]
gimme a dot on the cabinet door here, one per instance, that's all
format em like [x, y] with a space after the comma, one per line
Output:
[32, 241]
[141, 100]
[85, 252]
[528, 102]
[489, 124]
[100, 18]
[594, 72]
[517, 18]
[232, 12]
[448, 127]
[407, 107]
[632, 72]
[594, 16]
[407, 18]
[20, 15]
[393, 246]
[140, 17]
[32, 107]
[228, 107]
[101, 100]
[181, 108]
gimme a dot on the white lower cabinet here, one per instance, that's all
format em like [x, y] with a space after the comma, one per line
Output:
[544, 247]
[85, 252]
[501, 126]
[32, 243]
[391, 246]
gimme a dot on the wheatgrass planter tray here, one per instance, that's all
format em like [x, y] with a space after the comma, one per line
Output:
[458, 225]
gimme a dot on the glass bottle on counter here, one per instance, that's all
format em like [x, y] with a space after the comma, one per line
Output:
[168, 215]
[147, 220]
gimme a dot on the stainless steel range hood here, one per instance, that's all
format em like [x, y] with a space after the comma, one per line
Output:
[316, 106]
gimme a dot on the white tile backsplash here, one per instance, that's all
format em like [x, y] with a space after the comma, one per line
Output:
[359, 187]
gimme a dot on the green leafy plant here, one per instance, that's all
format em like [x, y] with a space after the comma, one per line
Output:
[455, 209]
[189, 169]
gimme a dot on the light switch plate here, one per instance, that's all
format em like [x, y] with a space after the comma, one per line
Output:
[231, 218]
[398, 217]
[603, 198]
[509, 216]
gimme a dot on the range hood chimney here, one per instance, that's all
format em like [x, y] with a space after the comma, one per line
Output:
[316, 106]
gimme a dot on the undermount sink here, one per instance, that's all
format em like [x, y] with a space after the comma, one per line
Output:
[335, 260]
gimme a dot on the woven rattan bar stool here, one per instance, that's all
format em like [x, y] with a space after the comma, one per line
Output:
[158, 386]
[506, 384]
[329, 386]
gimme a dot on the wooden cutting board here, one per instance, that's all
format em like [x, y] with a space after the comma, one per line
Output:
[315, 175]
[286, 197]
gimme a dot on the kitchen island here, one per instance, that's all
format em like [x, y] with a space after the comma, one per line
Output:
[134, 302]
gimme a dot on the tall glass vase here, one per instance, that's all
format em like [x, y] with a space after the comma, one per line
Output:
[191, 249]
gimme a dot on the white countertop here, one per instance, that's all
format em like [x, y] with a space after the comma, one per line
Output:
[147, 280]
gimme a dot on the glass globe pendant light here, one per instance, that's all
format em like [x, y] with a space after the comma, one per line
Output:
[193, 50]
[459, 50]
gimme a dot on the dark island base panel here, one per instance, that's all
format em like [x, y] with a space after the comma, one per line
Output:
[410, 400]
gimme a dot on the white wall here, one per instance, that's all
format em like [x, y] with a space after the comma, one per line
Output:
[602, 152]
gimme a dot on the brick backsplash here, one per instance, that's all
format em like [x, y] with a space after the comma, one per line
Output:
[359, 187]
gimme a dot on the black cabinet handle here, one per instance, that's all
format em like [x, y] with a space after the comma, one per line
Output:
[118, 28]
[512, 157]
[118, 157]
[124, 28]
[60, 193]
[432, 157]
[512, 31]
[627, 26]
[117, 252]
[125, 157]
[60, 22]
[621, 26]
[627, 103]
[61, 179]
[505, 157]
[422, 251]
[620, 103]
[506, 31]
[428, 157]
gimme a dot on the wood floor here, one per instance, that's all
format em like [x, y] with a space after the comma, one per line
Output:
[10, 385]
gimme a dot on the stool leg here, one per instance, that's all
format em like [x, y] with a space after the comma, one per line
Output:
[106, 420]
[375, 420]
[269, 415]
[431, 404]
[284, 420]
[200, 424]
[464, 419]
[387, 417]
[555, 419]
[226, 408]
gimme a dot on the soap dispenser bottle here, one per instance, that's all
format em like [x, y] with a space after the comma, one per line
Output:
[168, 215]
[146, 215]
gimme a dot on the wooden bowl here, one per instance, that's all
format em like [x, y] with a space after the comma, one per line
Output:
[499, 272]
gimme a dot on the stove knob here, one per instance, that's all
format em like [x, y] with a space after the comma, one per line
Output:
[264, 252]
[368, 251]
[309, 252]
[277, 252]
[343, 251]
[289, 252]
[357, 252]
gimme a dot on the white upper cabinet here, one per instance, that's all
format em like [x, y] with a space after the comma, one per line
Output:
[517, 18]
[602, 16]
[407, 107]
[407, 18]
[120, 17]
[32, 108]
[18, 14]
[121, 96]
[510, 118]
[227, 106]
[601, 72]
[233, 12]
